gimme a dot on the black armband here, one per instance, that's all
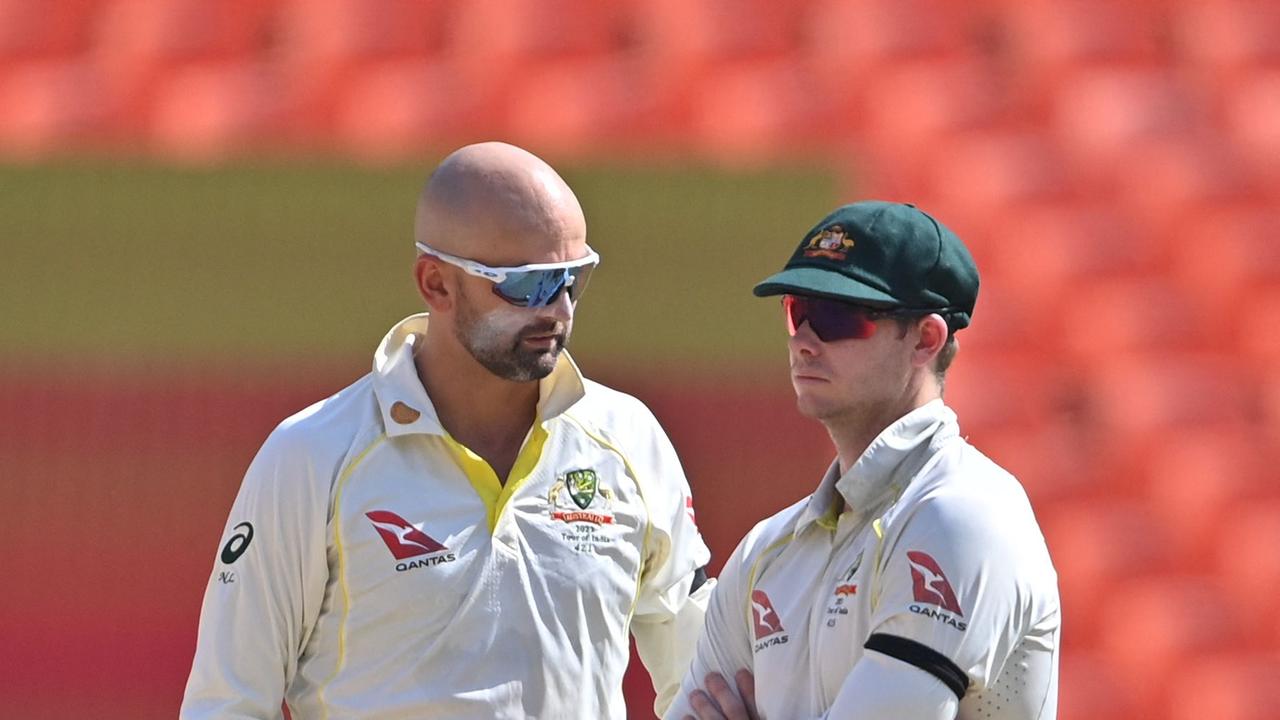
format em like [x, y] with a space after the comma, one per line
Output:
[923, 657]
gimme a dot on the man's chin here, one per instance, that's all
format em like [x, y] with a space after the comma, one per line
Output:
[540, 363]
[815, 406]
[809, 406]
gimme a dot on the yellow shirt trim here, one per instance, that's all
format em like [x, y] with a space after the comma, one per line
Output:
[494, 494]
[878, 526]
[755, 568]
[342, 570]
[831, 520]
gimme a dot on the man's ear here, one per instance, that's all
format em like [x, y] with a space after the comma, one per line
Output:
[933, 335]
[433, 285]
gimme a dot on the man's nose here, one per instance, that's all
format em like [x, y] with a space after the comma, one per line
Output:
[561, 308]
[805, 341]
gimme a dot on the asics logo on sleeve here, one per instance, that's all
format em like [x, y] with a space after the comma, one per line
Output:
[929, 584]
[238, 543]
[403, 539]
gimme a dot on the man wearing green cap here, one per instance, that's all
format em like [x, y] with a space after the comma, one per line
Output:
[914, 582]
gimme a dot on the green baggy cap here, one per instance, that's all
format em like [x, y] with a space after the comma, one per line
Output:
[885, 255]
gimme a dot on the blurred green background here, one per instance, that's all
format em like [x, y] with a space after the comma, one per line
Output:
[132, 262]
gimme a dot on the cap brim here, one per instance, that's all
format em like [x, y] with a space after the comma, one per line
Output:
[822, 283]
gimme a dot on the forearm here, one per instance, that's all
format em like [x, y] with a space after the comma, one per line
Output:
[881, 687]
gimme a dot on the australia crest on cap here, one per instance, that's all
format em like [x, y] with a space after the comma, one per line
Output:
[833, 242]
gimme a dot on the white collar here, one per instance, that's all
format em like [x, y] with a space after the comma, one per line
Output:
[885, 467]
[405, 406]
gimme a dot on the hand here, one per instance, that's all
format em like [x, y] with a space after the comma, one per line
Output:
[723, 703]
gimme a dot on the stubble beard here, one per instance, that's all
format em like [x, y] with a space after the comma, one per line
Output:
[860, 408]
[496, 343]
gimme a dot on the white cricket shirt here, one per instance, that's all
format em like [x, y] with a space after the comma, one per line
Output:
[373, 567]
[938, 565]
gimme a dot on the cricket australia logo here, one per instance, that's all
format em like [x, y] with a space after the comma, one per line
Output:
[845, 589]
[582, 486]
[578, 497]
[833, 242]
[847, 586]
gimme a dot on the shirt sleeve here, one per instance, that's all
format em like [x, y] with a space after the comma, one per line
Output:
[956, 592]
[880, 686]
[673, 590]
[723, 646]
[265, 591]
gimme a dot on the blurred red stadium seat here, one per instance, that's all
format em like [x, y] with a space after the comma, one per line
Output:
[1145, 314]
[1009, 319]
[391, 111]
[518, 29]
[1142, 400]
[1223, 255]
[1087, 688]
[1048, 41]
[1228, 687]
[690, 34]
[847, 40]
[576, 107]
[321, 35]
[1097, 546]
[206, 113]
[1252, 119]
[1197, 483]
[1044, 251]
[1056, 459]
[1152, 627]
[1255, 314]
[974, 177]
[1247, 564]
[908, 112]
[1179, 176]
[497, 46]
[1223, 37]
[167, 31]
[1003, 388]
[49, 107]
[45, 31]
[1267, 395]
[682, 49]
[140, 44]
[893, 73]
[1099, 113]
[755, 112]
[324, 44]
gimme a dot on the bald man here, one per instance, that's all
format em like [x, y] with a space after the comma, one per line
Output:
[472, 529]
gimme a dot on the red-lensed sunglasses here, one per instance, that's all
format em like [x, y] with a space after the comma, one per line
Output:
[832, 320]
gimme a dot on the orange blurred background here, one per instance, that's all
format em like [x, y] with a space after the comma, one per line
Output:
[1113, 165]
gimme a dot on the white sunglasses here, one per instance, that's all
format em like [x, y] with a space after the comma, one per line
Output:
[533, 285]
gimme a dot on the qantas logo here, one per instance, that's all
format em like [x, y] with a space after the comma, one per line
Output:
[402, 539]
[929, 584]
[766, 618]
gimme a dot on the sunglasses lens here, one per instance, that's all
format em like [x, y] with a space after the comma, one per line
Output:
[830, 320]
[578, 278]
[539, 288]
